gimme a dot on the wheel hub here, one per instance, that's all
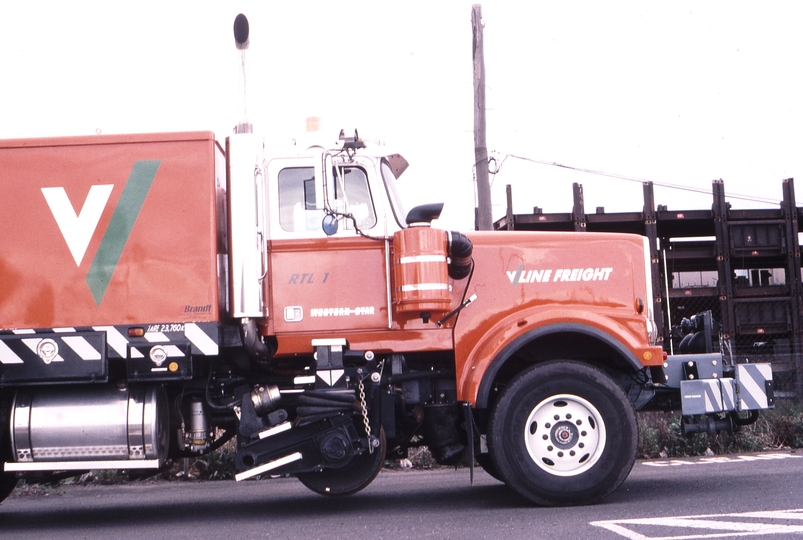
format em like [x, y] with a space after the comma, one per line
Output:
[565, 435]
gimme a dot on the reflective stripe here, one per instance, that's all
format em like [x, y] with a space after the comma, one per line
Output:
[173, 351]
[268, 466]
[7, 356]
[200, 339]
[81, 347]
[81, 465]
[425, 287]
[752, 379]
[115, 339]
[156, 337]
[713, 396]
[422, 259]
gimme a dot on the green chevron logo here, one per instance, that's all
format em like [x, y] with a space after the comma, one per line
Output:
[78, 228]
[120, 227]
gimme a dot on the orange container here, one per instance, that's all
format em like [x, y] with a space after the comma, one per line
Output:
[420, 271]
[110, 230]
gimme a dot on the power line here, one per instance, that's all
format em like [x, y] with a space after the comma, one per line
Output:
[642, 180]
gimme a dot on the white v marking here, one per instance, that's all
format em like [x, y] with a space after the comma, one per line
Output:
[77, 228]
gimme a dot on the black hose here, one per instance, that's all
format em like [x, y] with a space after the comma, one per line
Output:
[310, 411]
[343, 397]
[751, 419]
[322, 402]
[460, 250]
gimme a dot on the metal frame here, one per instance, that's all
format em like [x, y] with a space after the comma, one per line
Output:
[727, 226]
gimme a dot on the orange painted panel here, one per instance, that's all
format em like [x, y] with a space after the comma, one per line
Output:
[526, 280]
[108, 230]
[328, 285]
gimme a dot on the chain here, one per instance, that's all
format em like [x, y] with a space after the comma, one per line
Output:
[365, 421]
[725, 345]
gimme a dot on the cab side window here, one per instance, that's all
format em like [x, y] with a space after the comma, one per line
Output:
[297, 200]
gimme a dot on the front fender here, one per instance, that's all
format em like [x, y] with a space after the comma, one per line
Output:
[478, 367]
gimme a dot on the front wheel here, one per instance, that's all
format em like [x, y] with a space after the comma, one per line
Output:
[563, 433]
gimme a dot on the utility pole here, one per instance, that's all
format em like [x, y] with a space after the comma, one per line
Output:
[484, 217]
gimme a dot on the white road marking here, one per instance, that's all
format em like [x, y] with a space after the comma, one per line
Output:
[717, 459]
[712, 522]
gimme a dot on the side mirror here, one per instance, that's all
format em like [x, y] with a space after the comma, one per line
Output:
[329, 224]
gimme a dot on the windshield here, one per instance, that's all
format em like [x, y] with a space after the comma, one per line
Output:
[399, 212]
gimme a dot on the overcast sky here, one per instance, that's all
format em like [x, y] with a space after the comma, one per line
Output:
[676, 92]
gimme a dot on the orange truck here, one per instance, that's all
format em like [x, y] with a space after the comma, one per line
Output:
[163, 293]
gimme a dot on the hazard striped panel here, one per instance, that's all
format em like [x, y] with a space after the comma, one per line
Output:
[701, 396]
[202, 337]
[118, 343]
[751, 390]
[63, 354]
[755, 386]
[80, 354]
[163, 361]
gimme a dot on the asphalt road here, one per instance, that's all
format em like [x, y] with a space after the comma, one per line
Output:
[751, 496]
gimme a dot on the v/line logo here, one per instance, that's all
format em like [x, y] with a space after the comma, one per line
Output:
[78, 228]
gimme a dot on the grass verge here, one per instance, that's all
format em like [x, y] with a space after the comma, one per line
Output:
[660, 435]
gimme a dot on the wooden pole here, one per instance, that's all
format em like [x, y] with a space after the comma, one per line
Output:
[484, 216]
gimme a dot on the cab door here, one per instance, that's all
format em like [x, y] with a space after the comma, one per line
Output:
[320, 282]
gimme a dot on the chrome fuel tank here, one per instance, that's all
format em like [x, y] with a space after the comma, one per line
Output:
[97, 422]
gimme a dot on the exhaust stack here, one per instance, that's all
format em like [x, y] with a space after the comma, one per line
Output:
[241, 34]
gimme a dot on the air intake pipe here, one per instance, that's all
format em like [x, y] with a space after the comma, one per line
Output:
[460, 249]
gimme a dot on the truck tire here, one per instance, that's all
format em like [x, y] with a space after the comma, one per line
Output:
[563, 433]
[487, 465]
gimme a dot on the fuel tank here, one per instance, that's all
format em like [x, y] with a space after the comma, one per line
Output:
[84, 423]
